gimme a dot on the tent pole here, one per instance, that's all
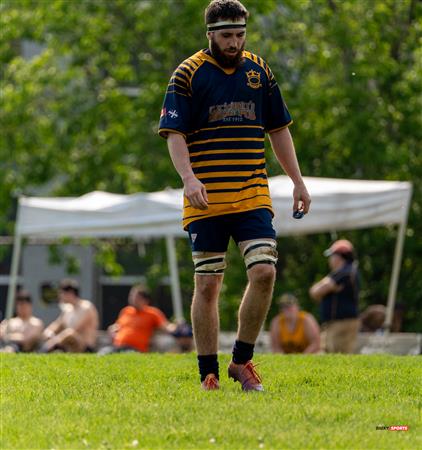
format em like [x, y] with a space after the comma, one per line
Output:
[17, 244]
[174, 276]
[398, 252]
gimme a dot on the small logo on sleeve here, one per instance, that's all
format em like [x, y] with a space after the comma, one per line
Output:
[173, 114]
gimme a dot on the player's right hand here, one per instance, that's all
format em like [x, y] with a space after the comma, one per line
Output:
[301, 198]
[196, 193]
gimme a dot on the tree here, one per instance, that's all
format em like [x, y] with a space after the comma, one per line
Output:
[349, 70]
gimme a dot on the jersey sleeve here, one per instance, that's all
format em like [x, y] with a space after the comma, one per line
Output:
[277, 115]
[123, 313]
[159, 318]
[176, 110]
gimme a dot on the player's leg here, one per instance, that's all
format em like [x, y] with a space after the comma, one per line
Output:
[324, 338]
[205, 326]
[256, 301]
[204, 313]
[345, 335]
[70, 341]
[256, 239]
[209, 242]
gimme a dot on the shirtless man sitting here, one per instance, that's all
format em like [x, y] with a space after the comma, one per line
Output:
[23, 332]
[75, 330]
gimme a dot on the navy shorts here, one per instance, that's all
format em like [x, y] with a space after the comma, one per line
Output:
[213, 234]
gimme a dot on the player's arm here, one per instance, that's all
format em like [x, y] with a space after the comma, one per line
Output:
[283, 147]
[312, 334]
[54, 328]
[168, 327]
[17, 337]
[323, 288]
[275, 335]
[113, 329]
[194, 190]
[116, 326]
[3, 329]
[31, 336]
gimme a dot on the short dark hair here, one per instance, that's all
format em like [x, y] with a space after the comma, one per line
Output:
[288, 299]
[69, 285]
[23, 296]
[140, 290]
[225, 9]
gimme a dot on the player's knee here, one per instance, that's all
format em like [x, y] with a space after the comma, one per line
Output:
[67, 334]
[263, 274]
[207, 288]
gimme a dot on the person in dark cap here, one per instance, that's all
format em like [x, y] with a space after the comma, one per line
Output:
[293, 330]
[23, 332]
[338, 295]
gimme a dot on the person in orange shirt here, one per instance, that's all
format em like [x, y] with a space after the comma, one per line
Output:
[294, 331]
[137, 323]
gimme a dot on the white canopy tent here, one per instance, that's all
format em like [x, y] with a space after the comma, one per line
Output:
[337, 204]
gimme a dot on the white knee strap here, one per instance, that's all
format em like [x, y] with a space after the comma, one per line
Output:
[210, 265]
[260, 252]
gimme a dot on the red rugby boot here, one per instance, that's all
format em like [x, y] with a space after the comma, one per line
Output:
[210, 383]
[246, 375]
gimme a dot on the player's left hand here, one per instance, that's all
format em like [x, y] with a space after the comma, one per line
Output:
[301, 198]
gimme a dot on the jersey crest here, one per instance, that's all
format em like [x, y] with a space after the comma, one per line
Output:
[254, 79]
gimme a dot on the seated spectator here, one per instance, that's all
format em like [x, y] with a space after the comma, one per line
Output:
[136, 324]
[373, 318]
[75, 330]
[23, 332]
[398, 317]
[294, 331]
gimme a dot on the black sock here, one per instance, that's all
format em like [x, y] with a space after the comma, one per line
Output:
[208, 364]
[242, 352]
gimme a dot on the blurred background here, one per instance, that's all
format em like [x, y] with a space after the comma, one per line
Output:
[82, 84]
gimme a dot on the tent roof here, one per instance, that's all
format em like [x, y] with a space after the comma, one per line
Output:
[337, 204]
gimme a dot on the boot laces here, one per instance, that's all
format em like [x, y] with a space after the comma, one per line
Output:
[211, 381]
[252, 373]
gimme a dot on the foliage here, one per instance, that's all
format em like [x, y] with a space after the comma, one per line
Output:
[82, 114]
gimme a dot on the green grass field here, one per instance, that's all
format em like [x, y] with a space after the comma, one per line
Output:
[153, 401]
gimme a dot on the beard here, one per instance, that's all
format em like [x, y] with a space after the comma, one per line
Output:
[225, 61]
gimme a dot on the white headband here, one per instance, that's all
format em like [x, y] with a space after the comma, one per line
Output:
[225, 24]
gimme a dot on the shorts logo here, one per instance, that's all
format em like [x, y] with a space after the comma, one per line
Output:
[254, 79]
[173, 114]
[193, 237]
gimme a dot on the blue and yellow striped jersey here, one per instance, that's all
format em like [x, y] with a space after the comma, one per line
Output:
[223, 115]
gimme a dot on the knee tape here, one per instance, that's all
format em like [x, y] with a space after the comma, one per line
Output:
[260, 252]
[209, 265]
